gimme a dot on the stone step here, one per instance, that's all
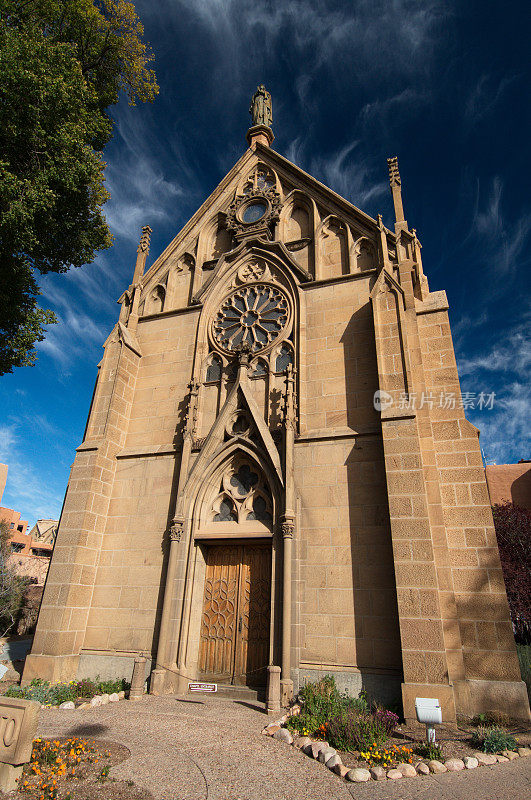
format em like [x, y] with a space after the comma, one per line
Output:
[240, 692]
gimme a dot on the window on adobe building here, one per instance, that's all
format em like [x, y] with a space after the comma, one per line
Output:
[38, 551]
[16, 547]
[12, 525]
[20, 528]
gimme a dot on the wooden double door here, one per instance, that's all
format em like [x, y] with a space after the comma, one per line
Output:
[234, 637]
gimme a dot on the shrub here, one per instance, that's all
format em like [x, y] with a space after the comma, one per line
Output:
[354, 730]
[111, 686]
[492, 739]
[387, 718]
[14, 691]
[56, 693]
[513, 532]
[429, 750]
[86, 688]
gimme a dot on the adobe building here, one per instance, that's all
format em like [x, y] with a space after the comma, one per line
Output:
[17, 527]
[240, 498]
[510, 483]
[31, 551]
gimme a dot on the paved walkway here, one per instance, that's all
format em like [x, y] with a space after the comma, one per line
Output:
[212, 749]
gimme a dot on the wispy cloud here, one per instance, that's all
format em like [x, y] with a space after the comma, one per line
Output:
[512, 355]
[140, 191]
[25, 489]
[501, 243]
[484, 96]
[505, 369]
[348, 174]
[76, 334]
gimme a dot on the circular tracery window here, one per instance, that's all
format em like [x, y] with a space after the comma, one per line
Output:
[253, 315]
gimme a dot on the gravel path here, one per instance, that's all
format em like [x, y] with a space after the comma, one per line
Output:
[212, 749]
[199, 750]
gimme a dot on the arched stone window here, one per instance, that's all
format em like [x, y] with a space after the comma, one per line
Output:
[214, 367]
[156, 299]
[298, 224]
[364, 253]
[333, 249]
[283, 358]
[258, 369]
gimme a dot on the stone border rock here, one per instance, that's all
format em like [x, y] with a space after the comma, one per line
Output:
[322, 752]
[97, 700]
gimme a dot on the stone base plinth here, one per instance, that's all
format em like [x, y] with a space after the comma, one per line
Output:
[260, 133]
[9, 777]
[50, 668]
[167, 681]
[286, 692]
[482, 696]
[442, 692]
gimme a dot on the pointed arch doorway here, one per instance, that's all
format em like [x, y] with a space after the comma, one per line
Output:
[235, 534]
[235, 624]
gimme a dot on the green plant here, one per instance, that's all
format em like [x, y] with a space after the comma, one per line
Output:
[104, 774]
[429, 750]
[14, 691]
[492, 739]
[111, 686]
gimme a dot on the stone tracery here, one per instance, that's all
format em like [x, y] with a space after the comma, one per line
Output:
[244, 495]
[253, 315]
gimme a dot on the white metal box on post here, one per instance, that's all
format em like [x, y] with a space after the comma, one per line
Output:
[429, 712]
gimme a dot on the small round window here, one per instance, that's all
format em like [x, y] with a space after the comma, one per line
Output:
[254, 211]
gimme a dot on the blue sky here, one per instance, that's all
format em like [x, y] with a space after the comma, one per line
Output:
[443, 85]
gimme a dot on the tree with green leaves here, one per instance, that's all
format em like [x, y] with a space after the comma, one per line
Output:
[63, 64]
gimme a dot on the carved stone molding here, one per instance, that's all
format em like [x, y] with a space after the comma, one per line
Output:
[288, 529]
[241, 221]
[176, 531]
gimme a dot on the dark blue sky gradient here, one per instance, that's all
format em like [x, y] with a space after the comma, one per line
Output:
[443, 85]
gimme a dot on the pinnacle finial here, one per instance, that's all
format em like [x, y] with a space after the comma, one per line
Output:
[394, 175]
[145, 239]
[396, 190]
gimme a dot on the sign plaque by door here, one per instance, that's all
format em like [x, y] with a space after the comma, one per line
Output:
[202, 687]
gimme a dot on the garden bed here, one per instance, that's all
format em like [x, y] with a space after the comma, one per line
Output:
[454, 742]
[80, 693]
[75, 769]
[359, 739]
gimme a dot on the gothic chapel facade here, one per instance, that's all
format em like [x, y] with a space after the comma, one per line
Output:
[238, 501]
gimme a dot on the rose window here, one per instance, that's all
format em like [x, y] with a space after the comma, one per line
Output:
[253, 316]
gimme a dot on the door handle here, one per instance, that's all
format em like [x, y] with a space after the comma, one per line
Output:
[240, 625]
